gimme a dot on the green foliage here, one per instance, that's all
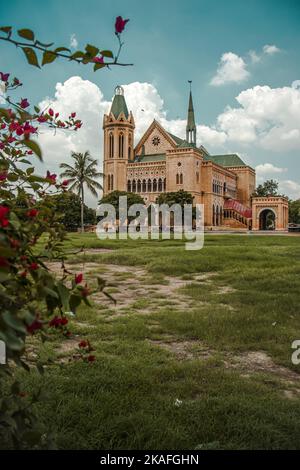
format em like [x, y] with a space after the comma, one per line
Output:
[113, 199]
[268, 188]
[179, 197]
[83, 173]
[294, 211]
[68, 205]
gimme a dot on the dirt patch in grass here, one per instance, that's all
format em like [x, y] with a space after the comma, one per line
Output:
[184, 350]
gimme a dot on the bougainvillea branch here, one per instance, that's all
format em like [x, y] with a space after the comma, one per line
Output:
[94, 55]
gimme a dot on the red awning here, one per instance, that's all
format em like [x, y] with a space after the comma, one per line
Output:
[233, 204]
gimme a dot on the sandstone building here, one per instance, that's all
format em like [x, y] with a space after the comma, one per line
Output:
[163, 162]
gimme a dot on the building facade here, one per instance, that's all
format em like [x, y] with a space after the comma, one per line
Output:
[162, 162]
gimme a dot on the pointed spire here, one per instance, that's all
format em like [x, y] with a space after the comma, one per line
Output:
[191, 126]
[119, 104]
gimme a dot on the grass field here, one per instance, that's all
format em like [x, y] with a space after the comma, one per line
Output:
[195, 354]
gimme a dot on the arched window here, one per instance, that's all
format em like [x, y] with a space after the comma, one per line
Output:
[217, 216]
[154, 185]
[165, 184]
[129, 186]
[177, 178]
[224, 187]
[134, 186]
[214, 215]
[149, 186]
[129, 153]
[121, 145]
[197, 176]
[160, 185]
[181, 178]
[139, 186]
[111, 145]
[144, 186]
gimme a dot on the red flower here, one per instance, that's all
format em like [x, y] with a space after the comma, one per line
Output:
[3, 262]
[24, 103]
[78, 278]
[33, 266]
[91, 358]
[35, 325]
[56, 322]
[120, 24]
[23, 274]
[73, 115]
[51, 177]
[65, 183]
[4, 211]
[83, 344]
[85, 291]
[42, 118]
[14, 243]
[4, 76]
[98, 60]
[51, 112]
[3, 175]
[64, 321]
[32, 213]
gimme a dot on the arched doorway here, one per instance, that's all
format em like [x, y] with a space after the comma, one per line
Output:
[267, 220]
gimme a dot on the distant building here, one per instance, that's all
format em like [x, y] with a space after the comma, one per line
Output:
[163, 162]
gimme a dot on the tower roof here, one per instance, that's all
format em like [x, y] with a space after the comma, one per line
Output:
[191, 116]
[119, 104]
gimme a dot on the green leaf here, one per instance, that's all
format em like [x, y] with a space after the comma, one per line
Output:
[34, 146]
[6, 29]
[98, 66]
[61, 49]
[12, 177]
[26, 33]
[77, 55]
[64, 296]
[37, 109]
[48, 57]
[92, 51]
[31, 56]
[75, 301]
[13, 322]
[107, 54]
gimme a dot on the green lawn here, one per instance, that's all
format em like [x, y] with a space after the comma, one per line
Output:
[196, 354]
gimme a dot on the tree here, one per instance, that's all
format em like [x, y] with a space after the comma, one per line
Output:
[83, 173]
[113, 199]
[33, 300]
[294, 212]
[68, 205]
[268, 188]
[179, 197]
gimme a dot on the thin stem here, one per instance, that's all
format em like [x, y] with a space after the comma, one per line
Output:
[61, 54]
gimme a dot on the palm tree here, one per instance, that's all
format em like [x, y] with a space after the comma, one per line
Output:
[84, 172]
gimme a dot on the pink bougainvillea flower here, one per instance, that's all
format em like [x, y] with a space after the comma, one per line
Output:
[51, 177]
[32, 213]
[73, 115]
[3, 175]
[24, 103]
[4, 76]
[56, 322]
[83, 344]
[2, 145]
[120, 24]
[51, 112]
[4, 211]
[78, 124]
[33, 266]
[78, 278]
[42, 118]
[3, 262]
[98, 60]
[34, 326]
[65, 183]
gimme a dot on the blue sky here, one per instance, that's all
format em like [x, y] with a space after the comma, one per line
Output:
[172, 41]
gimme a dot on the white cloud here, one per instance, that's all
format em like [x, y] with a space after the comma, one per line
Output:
[73, 41]
[255, 58]
[231, 69]
[267, 169]
[290, 188]
[270, 49]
